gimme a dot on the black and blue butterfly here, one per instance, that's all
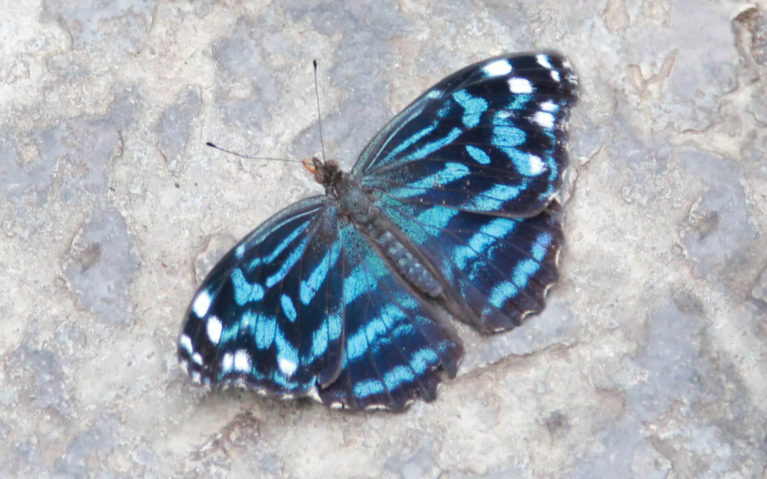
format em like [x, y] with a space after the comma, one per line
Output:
[346, 297]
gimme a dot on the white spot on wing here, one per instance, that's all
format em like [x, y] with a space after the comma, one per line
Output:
[197, 359]
[186, 343]
[536, 165]
[242, 361]
[497, 68]
[213, 327]
[543, 60]
[520, 85]
[227, 362]
[287, 366]
[201, 304]
[196, 377]
[544, 119]
[434, 94]
[549, 106]
[555, 76]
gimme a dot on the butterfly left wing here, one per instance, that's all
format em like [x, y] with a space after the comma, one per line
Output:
[269, 314]
[304, 307]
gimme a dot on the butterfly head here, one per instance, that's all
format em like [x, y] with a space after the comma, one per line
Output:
[326, 173]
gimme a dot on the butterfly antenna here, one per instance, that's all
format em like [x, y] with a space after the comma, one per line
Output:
[319, 113]
[248, 157]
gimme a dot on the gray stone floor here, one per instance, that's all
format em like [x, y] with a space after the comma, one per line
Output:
[649, 360]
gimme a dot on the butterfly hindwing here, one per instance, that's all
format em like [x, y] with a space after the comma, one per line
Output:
[395, 342]
[500, 267]
[488, 138]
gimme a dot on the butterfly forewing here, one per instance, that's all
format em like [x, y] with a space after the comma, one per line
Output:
[270, 314]
[488, 138]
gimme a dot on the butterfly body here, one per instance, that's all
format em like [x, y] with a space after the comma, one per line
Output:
[357, 207]
[448, 213]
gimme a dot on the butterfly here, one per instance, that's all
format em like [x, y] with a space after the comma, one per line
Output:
[448, 213]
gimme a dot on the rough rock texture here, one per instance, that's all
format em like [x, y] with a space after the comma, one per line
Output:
[649, 361]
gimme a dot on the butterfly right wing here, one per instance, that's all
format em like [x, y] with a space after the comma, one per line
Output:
[468, 172]
[489, 138]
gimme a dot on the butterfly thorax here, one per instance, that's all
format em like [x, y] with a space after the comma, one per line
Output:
[355, 205]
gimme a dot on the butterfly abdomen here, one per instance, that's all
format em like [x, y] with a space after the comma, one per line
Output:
[384, 236]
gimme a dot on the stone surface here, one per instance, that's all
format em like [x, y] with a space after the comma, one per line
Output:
[649, 361]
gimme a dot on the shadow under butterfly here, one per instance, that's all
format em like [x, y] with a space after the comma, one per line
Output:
[448, 211]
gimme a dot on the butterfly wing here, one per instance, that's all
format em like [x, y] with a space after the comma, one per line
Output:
[468, 170]
[500, 267]
[395, 341]
[488, 138]
[270, 313]
[303, 306]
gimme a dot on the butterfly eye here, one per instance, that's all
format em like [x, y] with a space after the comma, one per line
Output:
[309, 165]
